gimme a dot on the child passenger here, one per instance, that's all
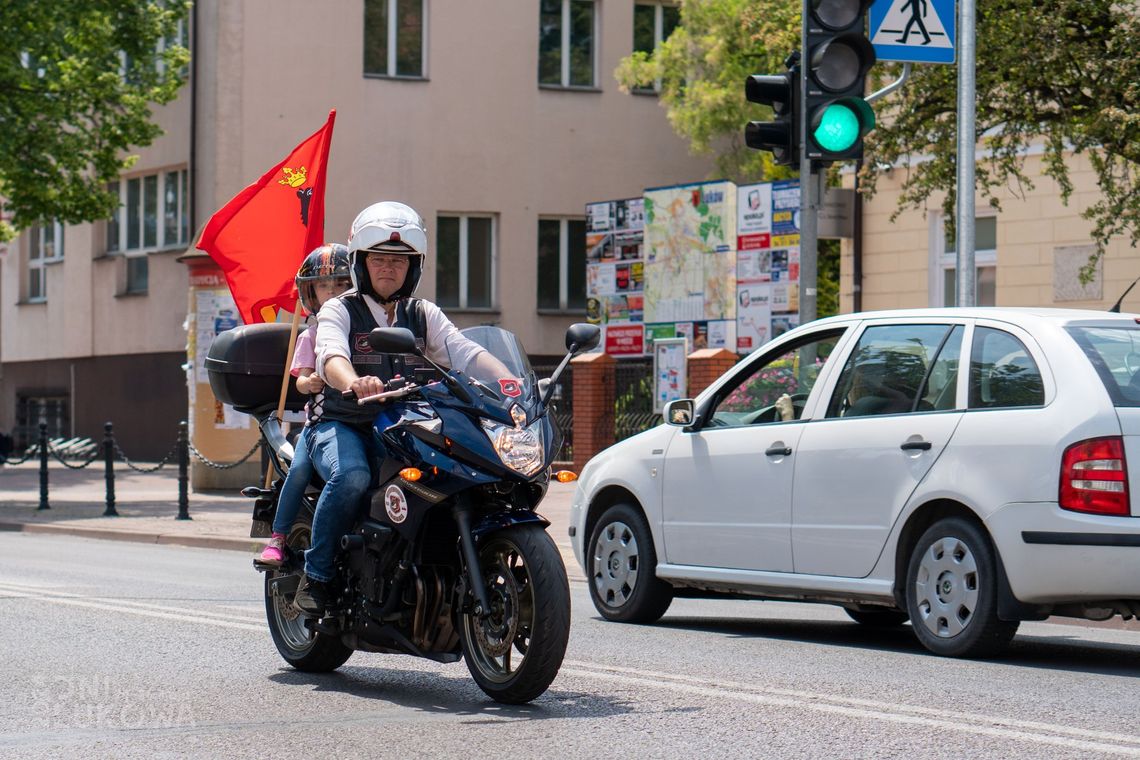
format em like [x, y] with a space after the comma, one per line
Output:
[324, 274]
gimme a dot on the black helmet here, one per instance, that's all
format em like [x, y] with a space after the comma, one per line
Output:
[388, 227]
[330, 261]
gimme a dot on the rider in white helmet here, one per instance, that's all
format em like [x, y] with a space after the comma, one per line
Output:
[387, 248]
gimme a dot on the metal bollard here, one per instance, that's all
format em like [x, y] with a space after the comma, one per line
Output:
[109, 469]
[43, 468]
[183, 472]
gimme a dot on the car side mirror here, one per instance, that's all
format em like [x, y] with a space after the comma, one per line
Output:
[582, 336]
[680, 412]
[393, 340]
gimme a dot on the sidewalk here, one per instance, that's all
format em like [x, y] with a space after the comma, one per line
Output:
[148, 505]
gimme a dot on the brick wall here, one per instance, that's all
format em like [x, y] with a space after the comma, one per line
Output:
[593, 405]
[706, 365]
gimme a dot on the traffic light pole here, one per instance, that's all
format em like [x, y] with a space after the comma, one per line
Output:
[809, 197]
[967, 126]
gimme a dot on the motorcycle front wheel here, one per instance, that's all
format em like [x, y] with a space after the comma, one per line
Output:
[297, 645]
[515, 652]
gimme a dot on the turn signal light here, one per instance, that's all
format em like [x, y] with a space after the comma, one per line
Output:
[565, 476]
[411, 474]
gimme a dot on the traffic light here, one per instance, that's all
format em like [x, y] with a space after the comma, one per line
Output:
[839, 55]
[782, 135]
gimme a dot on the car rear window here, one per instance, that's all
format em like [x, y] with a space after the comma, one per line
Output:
[1115, 353]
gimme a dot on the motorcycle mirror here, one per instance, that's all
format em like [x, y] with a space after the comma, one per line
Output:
[582, 336]
[393, 340]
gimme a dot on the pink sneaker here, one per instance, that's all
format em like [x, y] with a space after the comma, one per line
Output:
[274, 551]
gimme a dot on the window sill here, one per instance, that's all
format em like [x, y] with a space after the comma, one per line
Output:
[649, 93]
[568, 88]
[562, 312]
[470, 310]
[395, 78]
[111, 255]
[52, 262]
[32, 302]
[131, 294]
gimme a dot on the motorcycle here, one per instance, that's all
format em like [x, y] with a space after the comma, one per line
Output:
[449, 558]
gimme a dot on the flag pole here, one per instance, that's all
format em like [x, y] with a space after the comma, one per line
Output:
[285, 380]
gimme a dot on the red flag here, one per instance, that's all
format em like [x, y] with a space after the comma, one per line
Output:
[261, 236]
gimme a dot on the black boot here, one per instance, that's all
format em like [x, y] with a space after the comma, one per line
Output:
[312, 597]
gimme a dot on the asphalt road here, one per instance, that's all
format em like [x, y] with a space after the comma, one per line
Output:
[131, 650]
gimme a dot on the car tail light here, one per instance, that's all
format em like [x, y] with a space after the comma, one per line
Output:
[1094, 477]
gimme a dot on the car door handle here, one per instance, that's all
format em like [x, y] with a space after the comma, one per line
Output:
[916, 446]
[779, 451]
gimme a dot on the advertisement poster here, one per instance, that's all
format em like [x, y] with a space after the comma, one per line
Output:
[625, 340]
[754, 217]
[753, 316]
[615, 273]
[767, 261]
[214, 313]
[670, 371]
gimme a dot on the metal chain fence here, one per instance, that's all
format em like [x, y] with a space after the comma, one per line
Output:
[110, 449]
[633, 398]
[217, 466]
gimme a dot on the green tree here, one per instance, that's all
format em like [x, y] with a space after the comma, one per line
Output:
[1061, 76]
[77, 79]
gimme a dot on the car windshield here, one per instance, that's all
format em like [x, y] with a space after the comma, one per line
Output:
[1115, 353]
[493, 357]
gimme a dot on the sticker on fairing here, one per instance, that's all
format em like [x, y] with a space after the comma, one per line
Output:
[510, 387]
[396, 504]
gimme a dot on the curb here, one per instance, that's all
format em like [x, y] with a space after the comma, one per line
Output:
[250, 545]
[199, 542]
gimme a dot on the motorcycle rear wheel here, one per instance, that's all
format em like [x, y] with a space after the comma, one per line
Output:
[515, 653]
[300, 647]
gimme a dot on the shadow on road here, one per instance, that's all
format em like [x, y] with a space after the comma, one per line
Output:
[1030, 650]
[441, 694]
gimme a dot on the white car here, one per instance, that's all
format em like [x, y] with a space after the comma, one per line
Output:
[963, 468]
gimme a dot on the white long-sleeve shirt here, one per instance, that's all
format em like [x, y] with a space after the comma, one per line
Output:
[334, 324]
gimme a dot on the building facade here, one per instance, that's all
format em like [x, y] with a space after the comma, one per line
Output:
[498, 122]
[1029, 252]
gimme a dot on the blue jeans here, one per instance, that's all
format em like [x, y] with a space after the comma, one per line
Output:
[342, 456]
[296, 481]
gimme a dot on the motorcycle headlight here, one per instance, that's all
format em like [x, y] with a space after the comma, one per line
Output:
[519, 448]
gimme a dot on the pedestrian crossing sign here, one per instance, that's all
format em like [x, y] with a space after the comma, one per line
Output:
[918, 31]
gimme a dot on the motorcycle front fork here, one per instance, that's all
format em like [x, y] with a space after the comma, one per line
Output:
[462, 514]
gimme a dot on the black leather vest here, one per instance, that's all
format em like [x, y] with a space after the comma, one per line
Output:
[366, 361]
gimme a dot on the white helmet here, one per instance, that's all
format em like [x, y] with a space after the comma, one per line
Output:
[387, 227]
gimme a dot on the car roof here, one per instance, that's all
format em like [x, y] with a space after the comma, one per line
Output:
[1015, 315]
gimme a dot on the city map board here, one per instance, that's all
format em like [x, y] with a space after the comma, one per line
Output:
[690, 264]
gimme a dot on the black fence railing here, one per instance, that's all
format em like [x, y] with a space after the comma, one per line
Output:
[562, 403]
[633, 398]
[79, 453]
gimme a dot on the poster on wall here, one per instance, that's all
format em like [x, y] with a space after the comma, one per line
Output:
[615, 273]
[214, 313]
[670, 371]
[767, 261]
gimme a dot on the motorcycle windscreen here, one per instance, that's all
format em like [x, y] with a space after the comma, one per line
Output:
[495, 358]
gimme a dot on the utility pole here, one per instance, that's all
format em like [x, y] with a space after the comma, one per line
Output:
[967, 126]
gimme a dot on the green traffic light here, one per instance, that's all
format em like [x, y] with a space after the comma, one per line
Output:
[838, 128]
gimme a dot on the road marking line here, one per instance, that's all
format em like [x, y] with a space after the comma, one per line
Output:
[127, 602]
[985, 725]
[73, 602]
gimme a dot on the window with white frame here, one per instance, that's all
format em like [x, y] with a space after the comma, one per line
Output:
[567, 33]
[45, 245]
[561, 264]
[465, 250]
[652, 25]
[944, 286]
[153, 215]
[394, 32]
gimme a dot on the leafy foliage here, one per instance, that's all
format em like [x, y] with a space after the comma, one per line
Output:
[77, 78]
[1059, 75]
